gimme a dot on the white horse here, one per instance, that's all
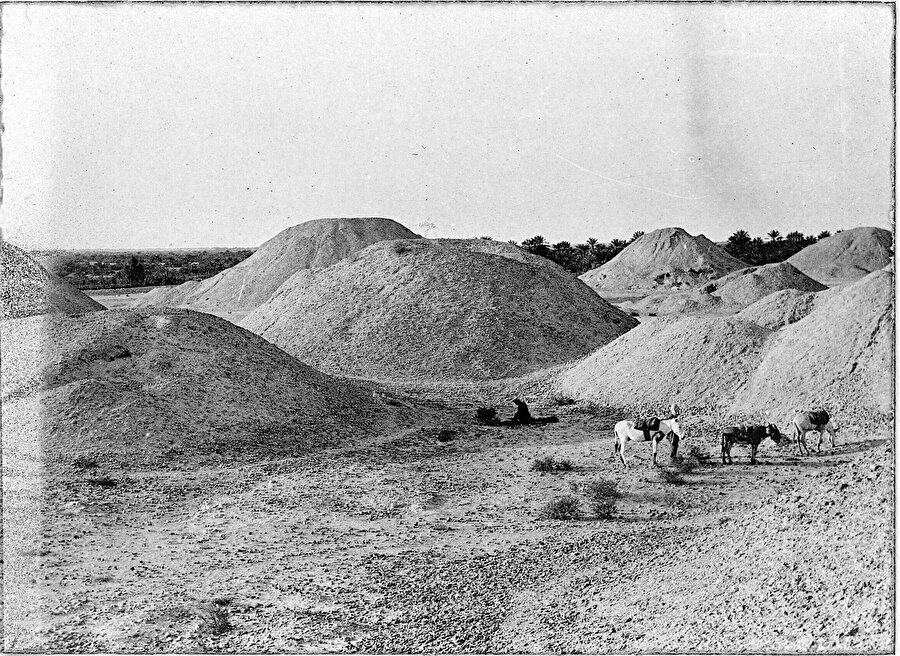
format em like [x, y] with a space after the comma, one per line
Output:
[805, 422]
[626, 432]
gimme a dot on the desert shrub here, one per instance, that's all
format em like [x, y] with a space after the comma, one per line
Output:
[602, 495]
[486, 415]
[686, 464]
[670, 476]
[562, 400]
[400, 248]
[565, 508]
[445, 435]
[699, 455]
[550, 464]
[84, 462]
[214, 617]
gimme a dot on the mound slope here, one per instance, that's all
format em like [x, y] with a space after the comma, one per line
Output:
[27, 288]
[780, 308]
[732, 292]
[668, 258]
[699, 362]
[848, 255]
[314, 244]
[840, 356]
[412, 309]
[162, 387]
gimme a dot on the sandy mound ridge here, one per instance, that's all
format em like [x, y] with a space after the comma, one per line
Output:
[848, 255]
[840, 356]
[314, 244]
[412, 309]
[699, 362]
[730, 293]
[27, 288]
[164, 386]
[663, 259]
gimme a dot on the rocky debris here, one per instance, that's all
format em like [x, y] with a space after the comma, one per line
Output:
[668, 258]
[840, 357]
[846, 256]
[314, 244]
[697, 362]
[27, 288]
[437, 309]
[730, 293]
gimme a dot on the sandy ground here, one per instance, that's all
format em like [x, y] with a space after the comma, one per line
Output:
[405, 543]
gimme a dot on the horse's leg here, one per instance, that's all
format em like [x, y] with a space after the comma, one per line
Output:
[724, 443]
[655, 443]
[674, 439]
[622, 441]
[753, 448]
[831, 437]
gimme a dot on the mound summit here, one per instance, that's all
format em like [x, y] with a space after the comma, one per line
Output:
[162, 388]
[245, 286]
[668, 258]
[412, 309]
[27, 288]
[846, 256]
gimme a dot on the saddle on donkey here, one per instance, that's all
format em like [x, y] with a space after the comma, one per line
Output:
[648, 425]
[819, 417]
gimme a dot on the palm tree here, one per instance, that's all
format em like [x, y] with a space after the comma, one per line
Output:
[774, 235]
[825, 234]
[637, 235]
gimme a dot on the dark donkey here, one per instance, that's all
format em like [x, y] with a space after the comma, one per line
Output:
[751, 435]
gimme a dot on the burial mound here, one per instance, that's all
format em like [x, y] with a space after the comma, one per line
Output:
[414, 309]
[846, 256]
[668, 258]
[27, 288]
[164, 387]
[840, 357]
[314, 244]
[730, 293]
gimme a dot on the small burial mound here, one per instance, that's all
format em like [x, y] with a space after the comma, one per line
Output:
[162, 388]
[314, 244]
[668, 258]
[701, 363]
[27, 288]
[840, 357]
[731, 293]
[437, 309]
[780, 309]
[846, 256]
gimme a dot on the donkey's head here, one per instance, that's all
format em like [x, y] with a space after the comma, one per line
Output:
[773, 432]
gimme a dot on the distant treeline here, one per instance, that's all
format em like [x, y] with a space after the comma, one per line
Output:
[116, 269]
[592, 253]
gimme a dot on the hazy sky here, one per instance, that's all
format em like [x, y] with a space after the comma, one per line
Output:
[212, 125]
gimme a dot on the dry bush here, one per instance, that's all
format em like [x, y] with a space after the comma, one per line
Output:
[103, 481]
[214, 617]
[551, 464]
[602, 495]
[686, 464]
[486, 416]
[565, 508]
[445, 435]
[670, 476]
[700, 455]
[562, 401]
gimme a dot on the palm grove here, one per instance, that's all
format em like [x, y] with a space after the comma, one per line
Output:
[579, 258]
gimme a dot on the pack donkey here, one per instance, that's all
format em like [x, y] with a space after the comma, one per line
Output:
[812, 420]
[652, 430]
[751, 435]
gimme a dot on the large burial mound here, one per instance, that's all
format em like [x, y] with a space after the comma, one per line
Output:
[27, 288]
[699, 362]
[840, 356]
[412, 309]
[846, 256]
[730, 293]
[162, 388]
[314, 244]
[668, 258]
